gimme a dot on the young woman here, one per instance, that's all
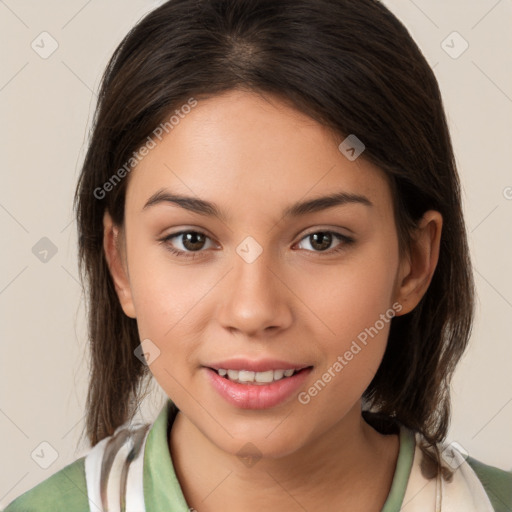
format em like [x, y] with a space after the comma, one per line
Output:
[270, 225]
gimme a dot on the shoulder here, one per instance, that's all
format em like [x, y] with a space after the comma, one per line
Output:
[496, 482]
[63, 491]
[478, 486]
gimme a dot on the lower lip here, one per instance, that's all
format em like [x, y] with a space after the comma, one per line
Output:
[257, 396]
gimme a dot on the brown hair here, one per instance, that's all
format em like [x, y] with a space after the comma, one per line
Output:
[353, 67]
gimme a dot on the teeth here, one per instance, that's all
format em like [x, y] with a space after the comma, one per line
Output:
[246, 376]
[264, 376]
[233, 374]
[278, 374]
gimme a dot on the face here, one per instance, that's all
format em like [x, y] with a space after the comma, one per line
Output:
[257, 285]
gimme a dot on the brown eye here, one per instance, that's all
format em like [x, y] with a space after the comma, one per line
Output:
[321, 241]
[189, 243]
[192, 240]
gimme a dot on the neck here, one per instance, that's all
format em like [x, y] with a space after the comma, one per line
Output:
[351, 462]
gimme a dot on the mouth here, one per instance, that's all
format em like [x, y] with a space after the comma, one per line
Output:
[260, 388]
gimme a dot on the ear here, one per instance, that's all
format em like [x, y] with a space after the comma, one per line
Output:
[417, 269]
[113, 245]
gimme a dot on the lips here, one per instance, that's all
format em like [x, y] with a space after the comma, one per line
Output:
[256, 384]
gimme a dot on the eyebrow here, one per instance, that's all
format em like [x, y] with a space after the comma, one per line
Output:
[297, 209]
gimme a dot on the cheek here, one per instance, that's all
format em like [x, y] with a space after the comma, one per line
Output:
[356, 303]
[352, 296]
[339, 385]
[164, 293]
[164, 299]
[360, 315]
[173, 306]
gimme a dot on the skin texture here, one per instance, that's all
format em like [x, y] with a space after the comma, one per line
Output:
[295, 302]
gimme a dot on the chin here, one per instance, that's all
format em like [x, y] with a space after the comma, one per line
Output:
[263, 444]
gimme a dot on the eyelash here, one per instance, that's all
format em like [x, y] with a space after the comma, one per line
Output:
[192, 254]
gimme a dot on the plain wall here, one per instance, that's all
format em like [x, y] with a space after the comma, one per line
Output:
[46, 107]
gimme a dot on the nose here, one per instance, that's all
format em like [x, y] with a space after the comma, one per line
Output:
[256, 300]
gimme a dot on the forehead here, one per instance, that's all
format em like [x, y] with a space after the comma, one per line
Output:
[251, 152]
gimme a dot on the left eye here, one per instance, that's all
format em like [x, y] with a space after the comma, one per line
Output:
[321, 240]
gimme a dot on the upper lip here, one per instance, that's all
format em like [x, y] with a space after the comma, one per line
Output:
[261, 365]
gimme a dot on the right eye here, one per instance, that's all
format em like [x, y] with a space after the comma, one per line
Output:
[192, 242]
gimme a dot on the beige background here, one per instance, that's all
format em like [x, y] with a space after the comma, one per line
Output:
[46, 107]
